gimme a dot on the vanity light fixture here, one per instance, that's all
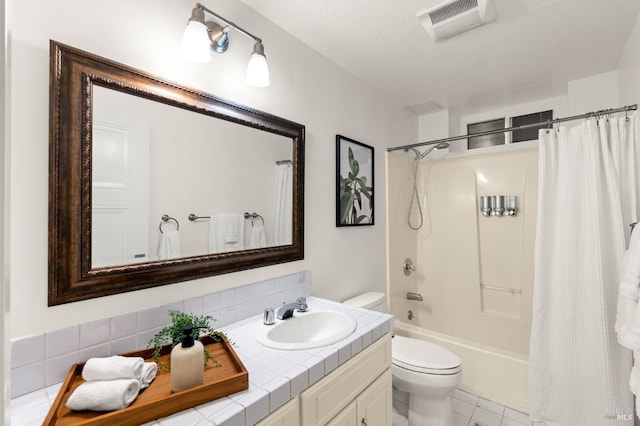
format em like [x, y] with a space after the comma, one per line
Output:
[201, 37]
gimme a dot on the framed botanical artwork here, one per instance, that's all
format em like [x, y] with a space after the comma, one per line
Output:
[354, 183]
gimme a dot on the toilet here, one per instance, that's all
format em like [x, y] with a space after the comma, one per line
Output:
[425, 372]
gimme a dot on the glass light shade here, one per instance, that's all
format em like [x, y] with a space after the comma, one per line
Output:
[257, 71]
[196, 43]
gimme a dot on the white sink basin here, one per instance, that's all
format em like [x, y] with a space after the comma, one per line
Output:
[306, 330]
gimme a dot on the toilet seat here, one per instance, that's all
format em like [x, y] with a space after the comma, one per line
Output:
[424, 357]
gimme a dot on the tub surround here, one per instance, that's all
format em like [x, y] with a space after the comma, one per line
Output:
[275, 376]
[474, 273]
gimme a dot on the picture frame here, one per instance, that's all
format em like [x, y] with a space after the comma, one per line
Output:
[354, 183]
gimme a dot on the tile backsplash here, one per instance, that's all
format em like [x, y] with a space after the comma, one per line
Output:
[45, 359]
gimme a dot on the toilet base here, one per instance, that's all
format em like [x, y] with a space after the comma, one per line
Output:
[432, 411]
[401, 401]
[398, 419]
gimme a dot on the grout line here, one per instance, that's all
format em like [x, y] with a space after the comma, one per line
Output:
[475, 422]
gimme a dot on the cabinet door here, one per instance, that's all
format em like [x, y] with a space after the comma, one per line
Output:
[347, 417]
[287, 415]
[374, 404]
[329, 396]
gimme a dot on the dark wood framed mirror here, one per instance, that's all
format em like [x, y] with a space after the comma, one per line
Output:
[79, 84]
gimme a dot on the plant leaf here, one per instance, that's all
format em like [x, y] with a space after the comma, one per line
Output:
[343, 184]
[361, 218]
[346, 202]
[353, 163]
[173, 334]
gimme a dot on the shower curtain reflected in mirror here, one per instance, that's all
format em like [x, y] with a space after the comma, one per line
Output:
[282, 225]
[578, 373]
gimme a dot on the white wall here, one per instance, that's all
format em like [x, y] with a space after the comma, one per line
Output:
[146, 35]
[5, 355]
[593, 93]
[433, 126]
[629, 69]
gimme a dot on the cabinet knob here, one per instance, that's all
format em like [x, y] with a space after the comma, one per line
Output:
[364, 423]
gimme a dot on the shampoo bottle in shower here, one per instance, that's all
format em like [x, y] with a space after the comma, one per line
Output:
[187, 362]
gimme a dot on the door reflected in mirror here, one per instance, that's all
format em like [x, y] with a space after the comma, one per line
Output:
[151, 159]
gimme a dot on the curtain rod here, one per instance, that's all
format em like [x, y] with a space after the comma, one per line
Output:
[524, 126]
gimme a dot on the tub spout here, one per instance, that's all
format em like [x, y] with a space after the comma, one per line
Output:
[414, 296]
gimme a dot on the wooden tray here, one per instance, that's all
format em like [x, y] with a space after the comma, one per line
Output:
[157, 400]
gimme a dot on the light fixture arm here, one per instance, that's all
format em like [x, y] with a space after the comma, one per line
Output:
[229, 23]
[200, 37]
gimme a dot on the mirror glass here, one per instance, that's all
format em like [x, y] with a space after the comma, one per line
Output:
[132, 157]
[151, 160]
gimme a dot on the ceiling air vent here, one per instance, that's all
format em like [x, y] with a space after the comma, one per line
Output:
[452, 17]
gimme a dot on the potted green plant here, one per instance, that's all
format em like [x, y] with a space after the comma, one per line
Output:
[173, 334]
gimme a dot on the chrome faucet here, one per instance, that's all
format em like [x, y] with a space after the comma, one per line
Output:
[286, 311]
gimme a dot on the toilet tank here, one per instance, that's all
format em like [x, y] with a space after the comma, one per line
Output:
[373, 300]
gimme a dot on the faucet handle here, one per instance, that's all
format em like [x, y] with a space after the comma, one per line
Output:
[302, 304]
[269, 317]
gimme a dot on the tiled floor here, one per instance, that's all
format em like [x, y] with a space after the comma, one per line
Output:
[470, 410]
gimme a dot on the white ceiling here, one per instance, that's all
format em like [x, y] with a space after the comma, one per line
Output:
[530, 52]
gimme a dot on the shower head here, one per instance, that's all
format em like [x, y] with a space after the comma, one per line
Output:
[441, 145]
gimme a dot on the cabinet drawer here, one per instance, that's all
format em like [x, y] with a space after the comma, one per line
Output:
[330, 395]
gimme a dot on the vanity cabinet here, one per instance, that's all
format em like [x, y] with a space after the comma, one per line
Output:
[357, 393]
[371, 408]
[346, 417]
[287, 415]
[374, 404]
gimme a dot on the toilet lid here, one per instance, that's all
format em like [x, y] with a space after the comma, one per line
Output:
[424, 357]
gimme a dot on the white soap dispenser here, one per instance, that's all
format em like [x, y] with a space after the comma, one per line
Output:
[187, 362]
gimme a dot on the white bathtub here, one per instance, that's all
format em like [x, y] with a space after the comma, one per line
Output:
[488, 372]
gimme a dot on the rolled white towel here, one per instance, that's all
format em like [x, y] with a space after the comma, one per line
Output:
[149, 371]
[104, 395]
[113, 367]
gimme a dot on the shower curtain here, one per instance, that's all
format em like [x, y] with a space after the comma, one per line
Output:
[578, 373]
[283, 214]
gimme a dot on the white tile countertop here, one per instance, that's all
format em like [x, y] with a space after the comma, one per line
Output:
[275, 376]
